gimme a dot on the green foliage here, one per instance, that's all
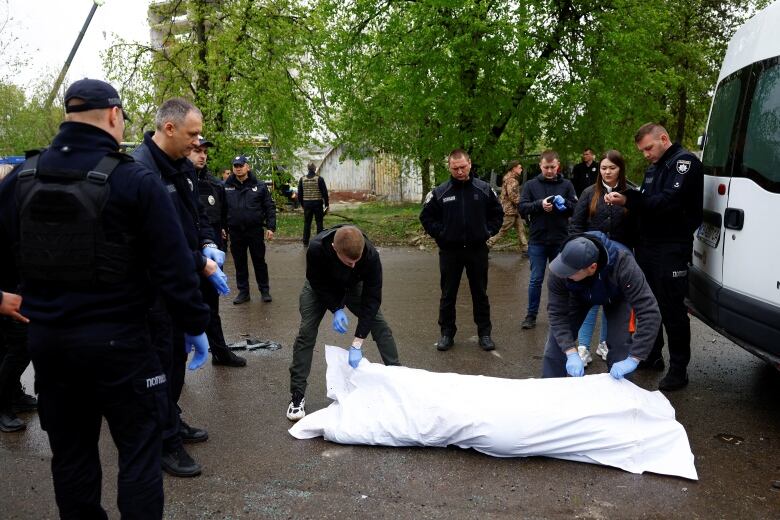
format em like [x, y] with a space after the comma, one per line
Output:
[506, 78]
[240, 61]
[24, 122]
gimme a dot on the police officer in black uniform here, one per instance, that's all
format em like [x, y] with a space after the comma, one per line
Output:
[91, 235]
[584, 174]
[250, 208]
[669, 206]
[313, 195]
[165, 151]
[212, 198]
[461, 214]
[211, 192]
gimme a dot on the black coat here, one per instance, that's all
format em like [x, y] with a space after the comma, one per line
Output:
[212, 198]
[670, 200]
[330, 278]
[549, 228]
[250, 206]
[180, 182]
[139, 208]
[461, 214]
[617, 222]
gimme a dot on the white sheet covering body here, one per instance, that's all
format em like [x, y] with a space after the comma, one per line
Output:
[595, 419]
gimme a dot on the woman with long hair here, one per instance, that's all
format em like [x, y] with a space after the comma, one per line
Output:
[592, 213]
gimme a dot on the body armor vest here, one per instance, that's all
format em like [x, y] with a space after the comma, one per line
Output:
[311, 188]
[61, 235]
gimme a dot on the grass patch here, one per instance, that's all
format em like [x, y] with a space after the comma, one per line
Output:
[383, 223]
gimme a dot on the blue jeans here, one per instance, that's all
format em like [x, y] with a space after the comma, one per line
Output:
[539, 255]
[586, 330]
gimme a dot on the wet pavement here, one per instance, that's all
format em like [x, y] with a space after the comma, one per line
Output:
[254, 469]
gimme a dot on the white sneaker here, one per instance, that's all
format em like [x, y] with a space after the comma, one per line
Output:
[584, 354]
[602, 350]
[297, 407]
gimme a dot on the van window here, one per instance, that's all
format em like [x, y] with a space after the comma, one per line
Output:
[721, 125]
[761, 158]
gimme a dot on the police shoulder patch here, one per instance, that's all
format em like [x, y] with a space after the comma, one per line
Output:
[189, 181]
[428, 197]
[212, 200]
[683, 166]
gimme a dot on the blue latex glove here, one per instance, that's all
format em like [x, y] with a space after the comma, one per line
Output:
[212, 253]
[340, 321]
[201, 345]
[219, 281]
[574, 366]
[559, 202]
[355, 355]
[622, 368]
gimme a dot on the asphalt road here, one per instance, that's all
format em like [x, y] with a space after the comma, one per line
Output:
[254, 469]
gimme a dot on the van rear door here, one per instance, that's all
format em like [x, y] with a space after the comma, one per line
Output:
[706, 278]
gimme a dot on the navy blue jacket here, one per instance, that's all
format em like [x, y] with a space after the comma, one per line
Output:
[181, 183]
[250, 206]
[461, 214]
[548, 228]
[212, 199]
[670, 201]
[138, 207]
[331, 279]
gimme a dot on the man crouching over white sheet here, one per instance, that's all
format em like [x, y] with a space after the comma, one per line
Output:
[594, 270]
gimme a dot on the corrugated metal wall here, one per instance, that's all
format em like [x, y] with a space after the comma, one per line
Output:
[348, 175]
[382, 176]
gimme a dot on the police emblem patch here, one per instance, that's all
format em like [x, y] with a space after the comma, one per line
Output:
[254, 188]
[192, 187]
[212, 200]
[683, 166]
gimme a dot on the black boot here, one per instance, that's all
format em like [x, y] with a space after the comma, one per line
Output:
[9, 422]
[226, 358]
[177, 462]
[23, 402]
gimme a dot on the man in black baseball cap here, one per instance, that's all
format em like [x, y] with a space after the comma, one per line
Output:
[593, 270]
[89, 94]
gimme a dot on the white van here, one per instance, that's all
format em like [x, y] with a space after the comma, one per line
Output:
[735, 279]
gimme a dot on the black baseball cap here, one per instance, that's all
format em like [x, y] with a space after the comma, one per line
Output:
[577, 254]
[239, 160]
[94, 94]
[202, 141]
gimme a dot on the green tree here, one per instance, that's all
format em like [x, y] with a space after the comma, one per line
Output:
[240, 61]
[504, 78]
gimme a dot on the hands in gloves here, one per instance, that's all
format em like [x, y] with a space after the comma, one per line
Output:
[211, 252]
[340, 321]
[355, 355]
[574, 366]
[559, 202]
[622, 368]
[201, 345]
[219, 280]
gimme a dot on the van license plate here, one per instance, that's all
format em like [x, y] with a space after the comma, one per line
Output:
[708, 234]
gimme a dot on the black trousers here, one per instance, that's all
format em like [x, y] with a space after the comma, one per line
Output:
[618, 314]
[214, 330]
[14, 358]
[312, 311]
[311, 210]
[451, 265]
[79, 383]
[666, 268]
[168, 343]
[240, 242]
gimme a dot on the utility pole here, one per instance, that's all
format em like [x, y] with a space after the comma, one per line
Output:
[58, 81]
